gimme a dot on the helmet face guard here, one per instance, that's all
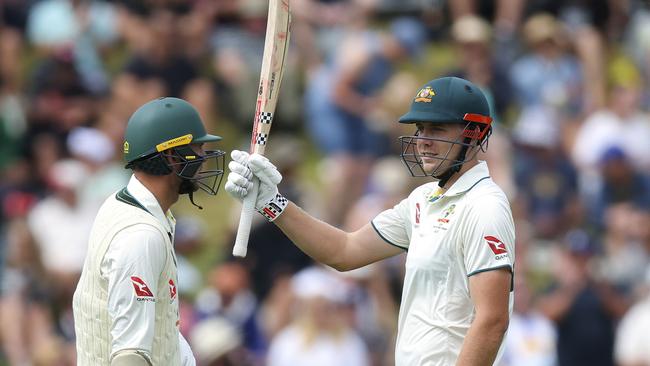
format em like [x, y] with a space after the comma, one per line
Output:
[202, 171]
[475, 133]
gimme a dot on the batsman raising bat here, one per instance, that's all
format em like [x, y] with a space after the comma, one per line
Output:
[275, 51]
[457, 231]
[126, 309]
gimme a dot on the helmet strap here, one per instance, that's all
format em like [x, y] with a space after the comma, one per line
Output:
[188, 187]
[456, 168]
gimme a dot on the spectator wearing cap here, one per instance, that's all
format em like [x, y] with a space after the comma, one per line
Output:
[319, 334]
[584, 308]
[547, 75]
[618, 210]
[63, 250]
[472, 36]
[216, 342]
[228, 295]
[546, 182]
[620, 183]
[621, 123]
[92, 147]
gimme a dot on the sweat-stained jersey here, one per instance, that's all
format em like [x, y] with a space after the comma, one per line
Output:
[127, 296]
[467, 230]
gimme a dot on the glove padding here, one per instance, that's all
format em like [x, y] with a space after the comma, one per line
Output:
[243, 167]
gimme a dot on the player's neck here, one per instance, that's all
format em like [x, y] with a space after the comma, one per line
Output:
[454, 177]
[161, 187]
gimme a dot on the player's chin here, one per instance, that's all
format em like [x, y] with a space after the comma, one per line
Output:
[432, 166]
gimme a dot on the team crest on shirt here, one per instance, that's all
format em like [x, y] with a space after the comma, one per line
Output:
[446, 214]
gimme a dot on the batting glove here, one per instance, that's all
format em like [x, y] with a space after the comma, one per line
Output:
[243, 167]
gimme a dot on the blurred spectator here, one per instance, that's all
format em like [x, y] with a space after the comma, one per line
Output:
[626, 250]
[80, 28]
[318, 334]
[188, 240]
[632, 337]
[228, 295]
[96, 151]
[63, 250]
[474, 45]
[28, 327]
[621, 124]
[547, 76]
[531, 336]
[319, 25]
[237, 42]
[161, 63]
[217, 343]
[636, 43]
[373, 310]
[620, 183]
[547, 185]
[584, 309]
[339, 100]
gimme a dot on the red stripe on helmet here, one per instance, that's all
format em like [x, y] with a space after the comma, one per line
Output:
[477, 118]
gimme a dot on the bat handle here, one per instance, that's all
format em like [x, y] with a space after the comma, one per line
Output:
[245, 221]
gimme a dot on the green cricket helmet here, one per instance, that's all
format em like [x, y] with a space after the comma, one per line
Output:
[159, 140]
[447, 100]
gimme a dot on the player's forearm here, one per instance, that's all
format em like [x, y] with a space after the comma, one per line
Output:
[482, 341]
[319, 240]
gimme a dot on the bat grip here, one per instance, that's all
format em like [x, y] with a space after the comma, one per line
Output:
[246, 220]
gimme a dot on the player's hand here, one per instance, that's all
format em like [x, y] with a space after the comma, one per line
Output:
[240, 179]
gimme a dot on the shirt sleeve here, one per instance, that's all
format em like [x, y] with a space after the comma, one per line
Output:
[132, 265]
[187, 358]
[394, 225]
[488, 239]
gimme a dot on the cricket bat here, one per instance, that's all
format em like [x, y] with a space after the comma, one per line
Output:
[276, 44]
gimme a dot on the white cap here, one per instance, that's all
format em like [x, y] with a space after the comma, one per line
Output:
[90, 143]
[538, 127]
[68, 173]
[213, 338]
[313, 282]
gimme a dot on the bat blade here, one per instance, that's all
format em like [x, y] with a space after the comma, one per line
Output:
[276, 44]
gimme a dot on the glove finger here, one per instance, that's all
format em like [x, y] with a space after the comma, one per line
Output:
[240, 181]
[239, 156]
[241, 169]
[264, 170]
[257, 163]
[235, 190]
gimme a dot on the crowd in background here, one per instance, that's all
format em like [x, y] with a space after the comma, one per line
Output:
[568, 86]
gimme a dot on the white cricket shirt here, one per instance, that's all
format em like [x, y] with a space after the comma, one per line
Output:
[467, 230]
[131, 274]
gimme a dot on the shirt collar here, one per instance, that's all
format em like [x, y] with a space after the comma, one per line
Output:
[149, 202]
[468, 180]
[464, 183]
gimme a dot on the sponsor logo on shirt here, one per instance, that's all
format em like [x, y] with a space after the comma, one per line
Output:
[142, 291]
[172, 290]
[497, 246]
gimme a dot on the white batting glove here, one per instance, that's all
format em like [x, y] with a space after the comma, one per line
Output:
[243, 167]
